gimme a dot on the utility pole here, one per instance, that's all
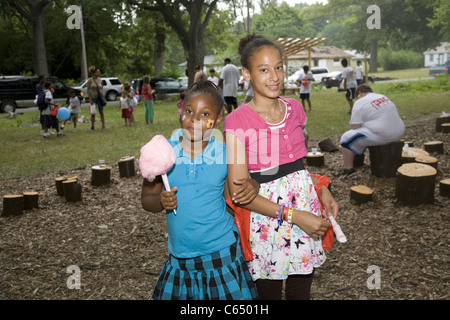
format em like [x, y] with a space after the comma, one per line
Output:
[84, 71]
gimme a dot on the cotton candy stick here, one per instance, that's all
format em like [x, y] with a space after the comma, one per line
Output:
[340, 236]
[157, 158]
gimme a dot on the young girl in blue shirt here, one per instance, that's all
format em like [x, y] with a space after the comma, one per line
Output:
[206, 260]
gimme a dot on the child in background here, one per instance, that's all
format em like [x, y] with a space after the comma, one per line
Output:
[74, 109]
[124, 105]
[148, 100]
[50, 121]
[305, 79]
[180, 103]
[206, 260]
[130, 96]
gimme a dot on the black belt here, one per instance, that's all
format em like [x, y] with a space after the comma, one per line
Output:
[278, 172]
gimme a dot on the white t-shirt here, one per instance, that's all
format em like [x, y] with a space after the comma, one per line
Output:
[49, 96]
[123, 103]
[359, 71]
[214, 80]
[350, 75]
[379, 118]
[230, 75]
[74, 105]
[309, 75]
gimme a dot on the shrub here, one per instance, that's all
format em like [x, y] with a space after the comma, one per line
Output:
[402, 59]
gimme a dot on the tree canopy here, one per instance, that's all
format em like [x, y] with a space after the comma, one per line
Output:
[131, 38]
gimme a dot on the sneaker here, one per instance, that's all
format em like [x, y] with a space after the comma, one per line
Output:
[92, 128]
[62, 127]
[60, 134]
[74, 129]
[348, 173]
[50, 132]
[45, 135]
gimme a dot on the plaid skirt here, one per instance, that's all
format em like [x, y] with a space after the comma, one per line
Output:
[222, 275]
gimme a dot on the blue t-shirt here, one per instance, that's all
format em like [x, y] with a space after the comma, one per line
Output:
[201, 225]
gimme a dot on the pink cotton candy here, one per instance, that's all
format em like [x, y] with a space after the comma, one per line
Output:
[157, 158]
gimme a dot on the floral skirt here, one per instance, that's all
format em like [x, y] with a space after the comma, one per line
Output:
[280, 251]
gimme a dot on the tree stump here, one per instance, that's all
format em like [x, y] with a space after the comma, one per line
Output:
[444, 188]
[12, 204]
[411, 155]
[385, 159]
[59, 185]
[126, 167]
[415, 184]
[315, 159]
[440, 121]
[30, 200]
[445, 128]
[72, 190]
[101, 175]
[360, 194]
[434, 147]
[327, 146]
[358, 161]
[429, 160]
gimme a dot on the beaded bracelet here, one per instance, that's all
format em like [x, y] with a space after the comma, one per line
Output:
[280, 215]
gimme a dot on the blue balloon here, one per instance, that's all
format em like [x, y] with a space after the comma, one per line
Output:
[63, 113]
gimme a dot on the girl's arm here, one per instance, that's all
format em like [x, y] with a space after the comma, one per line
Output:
[237, 169]
[154, 199]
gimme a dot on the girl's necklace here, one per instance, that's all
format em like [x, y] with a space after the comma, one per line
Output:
[268, 118]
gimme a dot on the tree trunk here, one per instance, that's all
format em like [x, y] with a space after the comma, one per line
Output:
[37, 12]
[373, 55]
[160, 38]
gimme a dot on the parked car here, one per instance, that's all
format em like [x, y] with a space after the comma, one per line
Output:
[183, 83]
[435, 70]
[20, 92]
[112, 87]
[163, 87]
[319, 73]
[332, 79]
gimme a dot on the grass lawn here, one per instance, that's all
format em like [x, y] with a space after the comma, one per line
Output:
[25, 153]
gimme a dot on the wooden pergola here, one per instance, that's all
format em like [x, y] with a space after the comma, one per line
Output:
[292, 46]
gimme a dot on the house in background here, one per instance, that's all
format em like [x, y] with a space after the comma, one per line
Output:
[437, 56]
[321, 56]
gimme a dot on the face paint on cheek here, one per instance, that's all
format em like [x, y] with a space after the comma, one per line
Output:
[183, 117]
[210, 124]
